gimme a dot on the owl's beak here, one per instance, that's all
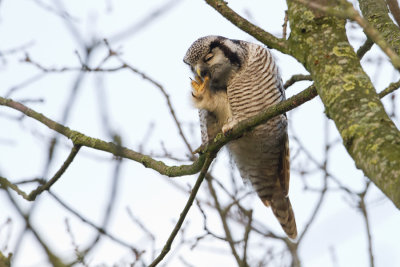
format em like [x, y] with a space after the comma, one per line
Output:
[198, 71]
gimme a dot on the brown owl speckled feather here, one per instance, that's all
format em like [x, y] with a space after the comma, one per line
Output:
[234, 81]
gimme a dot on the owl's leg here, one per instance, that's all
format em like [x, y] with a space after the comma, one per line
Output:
[199, 86]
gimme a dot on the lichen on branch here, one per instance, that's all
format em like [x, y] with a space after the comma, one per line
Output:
[349, 97]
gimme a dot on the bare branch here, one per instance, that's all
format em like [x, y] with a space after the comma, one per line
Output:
[297, 78]
[348, 12]
[32, 195]
[74, 151]
[172, 171]
[255, 31]
[80, 139]
[363, 207]
[284, 26]
[92, 224]
[364, 48]
[390, 89]
[55, 261]
[394, 9]
[222, 214]
[167, 246]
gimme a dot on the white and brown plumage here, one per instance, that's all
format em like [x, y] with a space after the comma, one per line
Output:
[235, 80]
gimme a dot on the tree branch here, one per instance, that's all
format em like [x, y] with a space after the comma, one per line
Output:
[167, 247]
[46, 186]
[74, 151]
[55, 261]
[347, 11]
[243, 24]
[80, 139]
[376, 12]
[390, 89]
[394, 9]
[349, 97]
[297, 78]
[364, 48]
[222, 214]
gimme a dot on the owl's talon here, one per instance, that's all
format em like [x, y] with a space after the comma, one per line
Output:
[227, 128]
[226, 132]
[198, 85]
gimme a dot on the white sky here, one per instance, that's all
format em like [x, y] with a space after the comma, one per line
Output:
[133, 104]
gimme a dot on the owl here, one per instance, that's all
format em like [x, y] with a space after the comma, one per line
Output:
[234, 80]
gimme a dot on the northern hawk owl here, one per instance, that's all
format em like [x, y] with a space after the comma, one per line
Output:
[234, 80]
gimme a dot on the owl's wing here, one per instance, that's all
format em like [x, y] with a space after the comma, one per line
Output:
[284, 165]
[208, 125]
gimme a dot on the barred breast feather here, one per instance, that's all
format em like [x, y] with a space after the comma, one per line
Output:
[262, 155]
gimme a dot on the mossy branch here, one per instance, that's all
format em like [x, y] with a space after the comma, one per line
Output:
[347, 11]
[349, 97]
[376, 13]
[79, 139]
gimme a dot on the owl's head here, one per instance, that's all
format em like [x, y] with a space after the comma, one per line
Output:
[216, 57]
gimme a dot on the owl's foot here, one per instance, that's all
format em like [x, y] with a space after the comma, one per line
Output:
[199, 85]
[227, 128]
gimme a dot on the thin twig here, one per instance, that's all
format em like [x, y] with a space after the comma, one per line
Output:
[46, 186]
[364, 48]
[90, 223]
[296, 78]
[347, 11]
[394, 9]
[390, 89]
[55, 261]
[246, 237]
[284, 26]
[167, 246]
[362, 206]
[324, 189]
[222, 215]
[74, 151]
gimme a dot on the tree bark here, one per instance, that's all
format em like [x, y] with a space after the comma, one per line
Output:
[371, 138]
[376, 12]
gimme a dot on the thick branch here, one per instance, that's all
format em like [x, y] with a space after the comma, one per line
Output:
[376, 12]
[349, 97]
[243, 24]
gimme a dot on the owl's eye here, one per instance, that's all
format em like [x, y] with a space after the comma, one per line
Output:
[208, 57]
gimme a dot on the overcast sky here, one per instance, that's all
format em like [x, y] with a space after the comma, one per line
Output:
[133, 104]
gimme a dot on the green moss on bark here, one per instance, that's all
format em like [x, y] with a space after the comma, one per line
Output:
[376, 12]
[350, 99]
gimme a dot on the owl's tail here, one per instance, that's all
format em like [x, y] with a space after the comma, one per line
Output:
[283, 211]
